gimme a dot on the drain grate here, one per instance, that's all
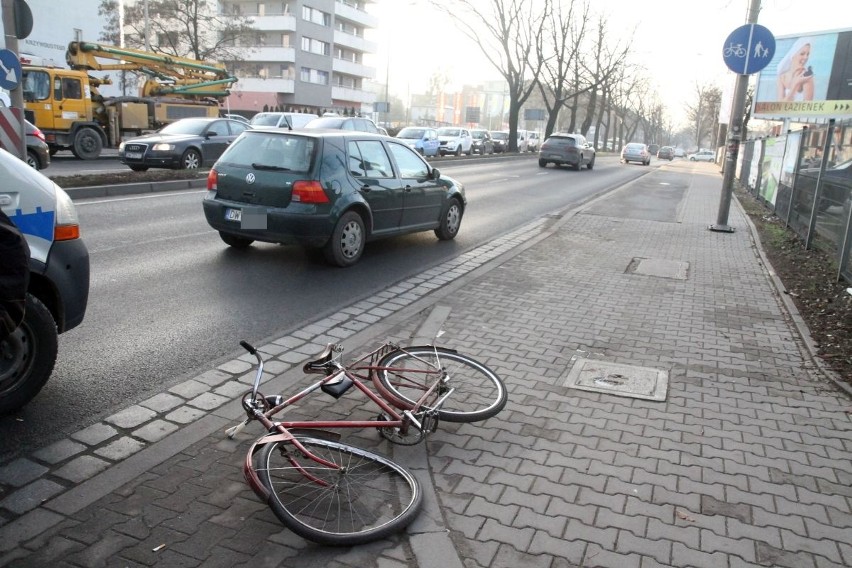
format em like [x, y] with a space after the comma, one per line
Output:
[618, 379]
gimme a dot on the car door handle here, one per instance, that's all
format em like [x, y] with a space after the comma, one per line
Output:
[407, 188]
[366, 188]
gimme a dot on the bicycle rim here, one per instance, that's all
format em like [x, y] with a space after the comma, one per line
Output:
[479, 393]
[368, 497]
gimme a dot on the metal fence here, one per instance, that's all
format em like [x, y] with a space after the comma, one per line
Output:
[805, 178]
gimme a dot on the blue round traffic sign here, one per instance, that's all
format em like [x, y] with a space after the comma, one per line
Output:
[10, 70]
[748, 49]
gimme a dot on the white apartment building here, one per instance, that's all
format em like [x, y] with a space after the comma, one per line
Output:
[306, 55]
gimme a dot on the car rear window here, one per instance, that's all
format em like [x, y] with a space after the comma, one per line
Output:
[267, 150]
[635, 146]
[561, 141]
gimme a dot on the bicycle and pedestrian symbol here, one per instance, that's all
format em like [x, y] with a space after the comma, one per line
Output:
[748, 49]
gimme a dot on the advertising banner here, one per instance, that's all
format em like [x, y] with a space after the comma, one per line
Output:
[770, 171]
[809, 76]
[754, 170]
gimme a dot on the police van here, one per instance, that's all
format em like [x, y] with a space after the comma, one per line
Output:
[59, 278]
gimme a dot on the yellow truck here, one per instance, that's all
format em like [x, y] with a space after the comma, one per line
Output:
[66, 104]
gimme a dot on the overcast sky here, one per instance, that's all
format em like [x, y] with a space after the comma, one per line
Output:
[680, 43]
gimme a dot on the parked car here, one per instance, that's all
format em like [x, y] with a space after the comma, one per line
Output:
[653, 149]
[481, 143]
[282, 119]
[666, 153]
[38, 152]
[239, 117]
[454, 140]
[702, 156]
[358, 123]
[635, 152]
[500, 140]
[327, 190]
[187, 144]
[567, 150]
[679, 153]
[424, 140]
[58, 289]
[523, 145]
[533, 142]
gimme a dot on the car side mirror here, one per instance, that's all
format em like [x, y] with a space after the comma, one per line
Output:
[211, 134]
[435, 173]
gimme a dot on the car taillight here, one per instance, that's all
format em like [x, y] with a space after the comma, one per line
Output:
[309, 192]
[39, 134]
[212, 180]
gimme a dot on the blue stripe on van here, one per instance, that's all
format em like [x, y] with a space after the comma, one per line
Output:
[38, 224]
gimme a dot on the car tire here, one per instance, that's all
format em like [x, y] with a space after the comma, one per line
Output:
[139, 168]
[32, 160]
[543, 163]
[458, 151]
[591, 163]
[346, 244]
[190, 160]
[235, 241]
[87, 144]
[576, 167]
[29, 355]
[450, 221]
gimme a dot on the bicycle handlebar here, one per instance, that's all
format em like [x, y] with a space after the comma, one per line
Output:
[247, 346]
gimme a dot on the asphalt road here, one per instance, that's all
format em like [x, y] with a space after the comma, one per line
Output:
[168, 297]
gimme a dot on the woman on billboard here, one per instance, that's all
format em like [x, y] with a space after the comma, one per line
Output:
[795, 76]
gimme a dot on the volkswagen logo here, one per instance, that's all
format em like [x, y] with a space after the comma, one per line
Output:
[250, 178]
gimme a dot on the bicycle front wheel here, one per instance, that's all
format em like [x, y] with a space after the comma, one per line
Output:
[365, 497]
[404, 376]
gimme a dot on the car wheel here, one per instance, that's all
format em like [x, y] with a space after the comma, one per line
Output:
[235, 241]
[542, 163]
[450, 221]
[139, 168]
[87, 144]
[191, 160]
[458, 151]
[591, 163]
[576, 166]
[32, 160]
[346, 244]
[692, 160]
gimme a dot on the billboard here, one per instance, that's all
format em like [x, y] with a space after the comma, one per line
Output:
[810, 76]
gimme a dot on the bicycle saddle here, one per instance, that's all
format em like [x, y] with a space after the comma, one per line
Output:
[321, 365]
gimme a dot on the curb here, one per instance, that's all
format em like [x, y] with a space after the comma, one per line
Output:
[134, 188]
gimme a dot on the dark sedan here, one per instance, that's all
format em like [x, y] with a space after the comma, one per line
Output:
[331, 190]
[38, 153]
[186, 144]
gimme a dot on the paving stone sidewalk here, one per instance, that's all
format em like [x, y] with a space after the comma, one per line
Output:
[747, 461]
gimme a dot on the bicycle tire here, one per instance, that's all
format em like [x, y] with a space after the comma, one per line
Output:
[479, 393]
[369, 499]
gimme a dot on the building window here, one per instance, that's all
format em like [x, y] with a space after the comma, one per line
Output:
[314, 76]
[316, 16]
[315, 46]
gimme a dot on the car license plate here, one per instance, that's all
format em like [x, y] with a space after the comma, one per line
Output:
[233, 215]
[133, 155]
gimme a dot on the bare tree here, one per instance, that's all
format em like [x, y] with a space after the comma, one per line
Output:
[703, 113]
[509, 33]
[564, 32]
[183, 28]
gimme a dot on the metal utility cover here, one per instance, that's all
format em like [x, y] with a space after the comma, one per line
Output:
[618, 379]
[659, 268]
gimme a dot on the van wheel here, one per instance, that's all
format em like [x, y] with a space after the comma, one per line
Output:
[87, 144]
[27, 357]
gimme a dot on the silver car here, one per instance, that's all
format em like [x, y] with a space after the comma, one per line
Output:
[636, 152]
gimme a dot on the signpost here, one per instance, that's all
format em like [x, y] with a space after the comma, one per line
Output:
[17, 24]
[748, 49]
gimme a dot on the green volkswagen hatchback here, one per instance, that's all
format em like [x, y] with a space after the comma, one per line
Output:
[332, 190]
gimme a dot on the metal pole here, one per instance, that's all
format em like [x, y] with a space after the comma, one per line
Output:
[734, 136]
[826, 149]
[16, 95]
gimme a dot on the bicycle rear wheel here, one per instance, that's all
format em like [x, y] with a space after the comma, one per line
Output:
[366, 498]
[407, 373]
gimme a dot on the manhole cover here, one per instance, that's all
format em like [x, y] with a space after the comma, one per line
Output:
[618, 379]
[658, 267]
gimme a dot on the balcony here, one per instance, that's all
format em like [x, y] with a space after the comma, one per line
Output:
[352, 95]
[350, 68]
[279, 23]
[341, 10]
[265, 53]
[354, 42]
[271, 85]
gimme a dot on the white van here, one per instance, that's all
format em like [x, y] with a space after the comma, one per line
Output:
[59, 278]
[523, 140]
[282, 119]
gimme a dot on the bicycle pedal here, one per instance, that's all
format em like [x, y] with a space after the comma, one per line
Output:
[274, 400]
